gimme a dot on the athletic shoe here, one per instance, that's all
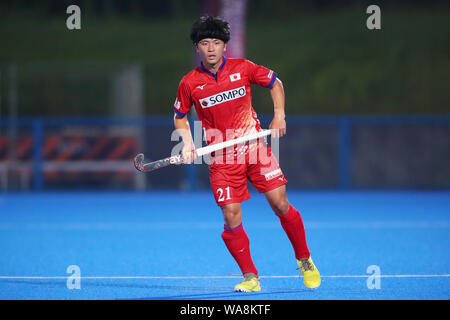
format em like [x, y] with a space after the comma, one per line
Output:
[311, 276]
[249, 284]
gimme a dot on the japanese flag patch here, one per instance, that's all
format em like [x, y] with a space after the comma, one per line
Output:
[235, 77]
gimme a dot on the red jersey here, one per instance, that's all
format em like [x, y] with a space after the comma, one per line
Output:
[223, 101]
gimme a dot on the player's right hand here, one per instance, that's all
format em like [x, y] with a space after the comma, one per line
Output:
[188, 153]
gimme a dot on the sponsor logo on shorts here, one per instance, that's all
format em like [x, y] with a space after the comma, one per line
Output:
[222, 97]
[273, 174]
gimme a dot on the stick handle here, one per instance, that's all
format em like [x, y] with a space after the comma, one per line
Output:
[177, 159]
[229, 143]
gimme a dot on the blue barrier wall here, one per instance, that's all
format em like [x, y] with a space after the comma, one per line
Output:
[324, 152]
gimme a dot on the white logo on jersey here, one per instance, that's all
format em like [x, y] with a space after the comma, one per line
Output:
[235, 77]
[270, 74]
[177, 104]
[201, 87]
[223, 97]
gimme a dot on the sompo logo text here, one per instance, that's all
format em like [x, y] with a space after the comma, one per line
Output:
[223, 97]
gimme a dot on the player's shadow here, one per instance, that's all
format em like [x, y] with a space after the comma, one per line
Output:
[263, 294]
[205, 292]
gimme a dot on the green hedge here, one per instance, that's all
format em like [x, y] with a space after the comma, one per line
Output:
[329, 62]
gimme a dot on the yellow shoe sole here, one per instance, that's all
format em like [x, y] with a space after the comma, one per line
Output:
[248, 286]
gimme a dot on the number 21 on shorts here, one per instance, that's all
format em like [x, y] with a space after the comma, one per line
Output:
[222, 196]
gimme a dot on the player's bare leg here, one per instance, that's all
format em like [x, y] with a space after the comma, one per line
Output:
[292, 223]
[278, 200]
[238, 245]
[232, 214]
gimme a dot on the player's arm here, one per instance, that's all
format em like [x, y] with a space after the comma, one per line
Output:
[278, 123]
[182, 126]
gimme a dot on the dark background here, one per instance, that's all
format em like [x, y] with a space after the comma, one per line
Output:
[366, 108]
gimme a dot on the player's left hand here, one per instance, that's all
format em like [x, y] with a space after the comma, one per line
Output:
[278, 127]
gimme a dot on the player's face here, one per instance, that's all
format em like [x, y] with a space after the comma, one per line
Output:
[211, 50]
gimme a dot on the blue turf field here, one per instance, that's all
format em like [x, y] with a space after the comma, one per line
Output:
[168, 246]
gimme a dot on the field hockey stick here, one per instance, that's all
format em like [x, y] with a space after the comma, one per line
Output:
[178, 159]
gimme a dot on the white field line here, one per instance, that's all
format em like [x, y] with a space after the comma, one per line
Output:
[73, 226]
[225, 277]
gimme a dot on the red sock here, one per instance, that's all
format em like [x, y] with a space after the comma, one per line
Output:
[292, 224]
[238, 244]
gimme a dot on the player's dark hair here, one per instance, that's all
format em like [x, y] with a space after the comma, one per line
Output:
[210, 27]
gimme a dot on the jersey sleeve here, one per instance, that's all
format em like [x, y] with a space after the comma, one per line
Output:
[183, 102]
[260, 75]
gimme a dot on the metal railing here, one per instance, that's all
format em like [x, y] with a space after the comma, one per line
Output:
[33, 170]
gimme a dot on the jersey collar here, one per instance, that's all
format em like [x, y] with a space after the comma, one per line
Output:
[220, 68]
